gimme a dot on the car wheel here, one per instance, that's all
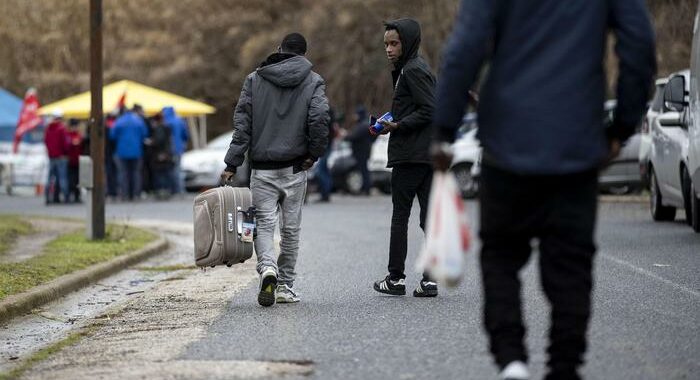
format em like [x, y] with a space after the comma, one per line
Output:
[353, 182]
[685, 187]
[468, 185]
[659, 212]
[619, 190]
[695, 209]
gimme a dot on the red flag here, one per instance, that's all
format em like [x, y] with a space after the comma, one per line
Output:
[28, 117]
[122, 102]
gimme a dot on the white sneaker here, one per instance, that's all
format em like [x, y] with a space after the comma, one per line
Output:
[285, 294]
[516, 370]
[268, 283]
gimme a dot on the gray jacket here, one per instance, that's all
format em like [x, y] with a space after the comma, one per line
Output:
[282, 115]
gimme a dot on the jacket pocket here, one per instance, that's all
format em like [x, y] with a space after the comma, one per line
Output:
[204, 230]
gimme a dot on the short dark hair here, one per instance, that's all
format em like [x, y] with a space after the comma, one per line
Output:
[390, 26]
[294, 43]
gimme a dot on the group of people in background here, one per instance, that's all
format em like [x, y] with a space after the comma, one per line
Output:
[142, 154]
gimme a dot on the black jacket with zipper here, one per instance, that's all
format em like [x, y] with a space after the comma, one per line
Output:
[413, 101]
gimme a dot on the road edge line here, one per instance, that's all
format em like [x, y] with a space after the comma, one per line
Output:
[25, 302]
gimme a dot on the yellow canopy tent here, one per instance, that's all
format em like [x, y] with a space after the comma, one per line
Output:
[152, 99]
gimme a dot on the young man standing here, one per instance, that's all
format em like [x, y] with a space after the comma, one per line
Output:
[409, 143]
[281, 119]
[544, 141]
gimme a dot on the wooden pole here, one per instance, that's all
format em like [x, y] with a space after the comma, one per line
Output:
[97, 131]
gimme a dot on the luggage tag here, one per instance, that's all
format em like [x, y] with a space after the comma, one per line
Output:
[246, 224]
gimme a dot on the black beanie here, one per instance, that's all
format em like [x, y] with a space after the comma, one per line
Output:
[294, 43]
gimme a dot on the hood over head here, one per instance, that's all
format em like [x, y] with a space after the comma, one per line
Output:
[284, 69]
[409, 33]
[169, 115]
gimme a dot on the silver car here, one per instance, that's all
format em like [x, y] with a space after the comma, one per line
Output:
[622, 175]
[202, 167]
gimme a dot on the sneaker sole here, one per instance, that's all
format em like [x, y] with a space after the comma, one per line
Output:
[390, 292]
[427, 293]
[266, 297]
[285, 300]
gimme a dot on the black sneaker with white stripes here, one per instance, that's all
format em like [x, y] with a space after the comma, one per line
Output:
[389, 286]
[426, 289]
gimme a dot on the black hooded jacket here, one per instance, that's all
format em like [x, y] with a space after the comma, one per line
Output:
[414, 99]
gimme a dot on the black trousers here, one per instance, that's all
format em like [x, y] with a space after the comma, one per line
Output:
[407, 182]
[561, 212]
[73, 179]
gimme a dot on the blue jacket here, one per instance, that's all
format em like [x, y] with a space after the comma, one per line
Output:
[128, 133]
[541, 109]
[178, 129]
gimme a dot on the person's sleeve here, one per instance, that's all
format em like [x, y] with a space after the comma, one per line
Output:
[242, 127]
[318, 120]
[422, 87]
[462, 58]
[635, 49]
[185, 131]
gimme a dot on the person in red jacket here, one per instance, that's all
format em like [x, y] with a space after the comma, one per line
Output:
[75, 145]
[56, 140]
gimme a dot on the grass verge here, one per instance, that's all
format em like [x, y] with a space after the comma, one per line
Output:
[44, 353]
[12, 227]
[69, 253]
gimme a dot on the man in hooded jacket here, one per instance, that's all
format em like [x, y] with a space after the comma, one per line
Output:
[281, 119]
[409, 143]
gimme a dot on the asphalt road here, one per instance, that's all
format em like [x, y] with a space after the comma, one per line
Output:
[646, 321]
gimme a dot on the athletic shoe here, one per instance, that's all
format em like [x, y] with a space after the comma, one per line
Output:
[426, 289]
[285, 294]
[515, 370]
[389, 286]
[268, 283]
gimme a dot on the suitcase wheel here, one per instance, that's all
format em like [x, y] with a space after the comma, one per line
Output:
[213, 266]
[229, 265]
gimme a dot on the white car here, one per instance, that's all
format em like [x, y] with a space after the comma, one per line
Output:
[466, 162]
[684, 116]
[378, 158]
[202, 167]
[655, 108]
[668, 174]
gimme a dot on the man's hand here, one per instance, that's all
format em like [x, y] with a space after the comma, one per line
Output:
[442, 156]
[389, 126]
[372, 132]
[614, 147]
[226, 176]
[308, 163]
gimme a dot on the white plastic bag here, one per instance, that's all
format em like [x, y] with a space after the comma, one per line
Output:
[447, 237]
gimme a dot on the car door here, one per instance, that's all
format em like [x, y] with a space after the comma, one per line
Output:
[676, 144]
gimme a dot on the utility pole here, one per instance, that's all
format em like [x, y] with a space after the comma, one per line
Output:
[97, 131]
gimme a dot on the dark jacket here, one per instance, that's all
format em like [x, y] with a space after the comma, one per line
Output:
[360, 139]
[281, 115]
[541, 108]
[413, 101]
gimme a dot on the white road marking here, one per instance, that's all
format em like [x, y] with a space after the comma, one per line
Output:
[653, 275]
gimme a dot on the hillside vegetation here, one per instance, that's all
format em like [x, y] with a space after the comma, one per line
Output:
[204, 48]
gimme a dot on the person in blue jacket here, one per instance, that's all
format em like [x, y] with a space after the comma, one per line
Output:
[541, 127]
[129, 133]
[180, 136]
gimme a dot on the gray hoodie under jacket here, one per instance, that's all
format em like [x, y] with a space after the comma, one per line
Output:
[282, 115]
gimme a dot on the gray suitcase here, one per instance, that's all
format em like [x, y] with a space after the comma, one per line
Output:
[224, 226]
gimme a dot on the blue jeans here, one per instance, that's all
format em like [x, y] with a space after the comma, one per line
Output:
[177, 179]
[325, 181]
[58, 172]
[130, 174]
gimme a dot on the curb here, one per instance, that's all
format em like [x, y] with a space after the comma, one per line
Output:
[22, 303]
[623, 199]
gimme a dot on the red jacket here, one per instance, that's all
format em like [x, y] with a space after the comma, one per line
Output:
[75, 147]
[56, 140]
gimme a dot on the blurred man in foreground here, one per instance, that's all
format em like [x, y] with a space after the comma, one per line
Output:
[540, 120]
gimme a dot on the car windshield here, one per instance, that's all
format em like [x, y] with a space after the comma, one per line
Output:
[221, 142]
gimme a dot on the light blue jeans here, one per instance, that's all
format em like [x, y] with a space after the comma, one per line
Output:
[58, 171]
[278, 193]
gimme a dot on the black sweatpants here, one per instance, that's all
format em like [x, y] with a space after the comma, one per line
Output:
[407, 182]
[561, 212]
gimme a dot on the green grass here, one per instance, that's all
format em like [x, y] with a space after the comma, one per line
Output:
[69, 253]
[43, 354]
[12, 227]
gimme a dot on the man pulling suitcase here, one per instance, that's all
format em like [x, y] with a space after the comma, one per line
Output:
[281, 120]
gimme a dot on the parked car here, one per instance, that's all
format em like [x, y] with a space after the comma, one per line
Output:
[202, 167]
[379, 174]
[655, 108]
[669, 176]
[466, 162]
[694, 128]
[622, 175]
[343, 167]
